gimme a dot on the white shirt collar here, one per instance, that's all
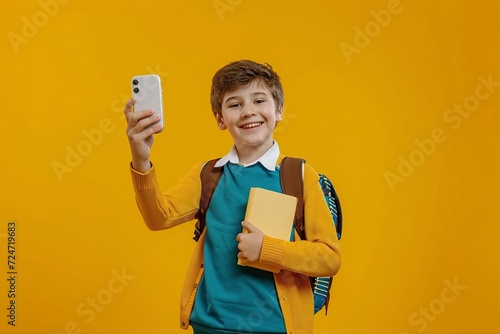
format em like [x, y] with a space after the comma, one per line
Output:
[268, 159]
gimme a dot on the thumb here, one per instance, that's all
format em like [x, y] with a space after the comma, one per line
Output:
[249, 226]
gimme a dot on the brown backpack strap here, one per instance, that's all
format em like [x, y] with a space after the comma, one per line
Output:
[293, 184]
[210, 176]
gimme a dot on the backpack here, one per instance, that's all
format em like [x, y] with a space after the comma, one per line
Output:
[291, 184]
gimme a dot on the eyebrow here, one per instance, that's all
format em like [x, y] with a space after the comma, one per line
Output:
[253, 94]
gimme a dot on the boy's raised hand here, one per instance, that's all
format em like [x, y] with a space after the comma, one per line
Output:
[139, 136]
[250, 243]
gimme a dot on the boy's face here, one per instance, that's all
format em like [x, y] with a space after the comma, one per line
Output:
[249, 114]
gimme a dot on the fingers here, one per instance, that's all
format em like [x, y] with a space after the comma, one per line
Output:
[241, 254]
[141, 133]
[140, 120]
[244, 246]
[128, 108]
[242, 257]
[250, 242]
[248, 226]
[133, 118]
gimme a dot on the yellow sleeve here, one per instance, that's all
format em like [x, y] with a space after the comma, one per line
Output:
[319, 254]
[165, 210]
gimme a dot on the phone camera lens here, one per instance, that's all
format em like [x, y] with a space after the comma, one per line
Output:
[136, 90]
[135, 82]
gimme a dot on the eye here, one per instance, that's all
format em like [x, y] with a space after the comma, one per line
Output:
[234, 105]
[260, 101]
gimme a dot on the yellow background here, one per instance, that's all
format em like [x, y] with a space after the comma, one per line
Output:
[353, 117]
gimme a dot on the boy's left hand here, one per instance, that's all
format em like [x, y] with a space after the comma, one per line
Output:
[250, 243]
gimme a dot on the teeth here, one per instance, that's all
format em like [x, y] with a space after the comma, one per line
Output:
[252, 125]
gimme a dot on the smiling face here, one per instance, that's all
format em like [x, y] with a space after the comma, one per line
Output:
[250, 115]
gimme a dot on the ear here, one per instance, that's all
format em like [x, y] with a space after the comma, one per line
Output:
[220, 121]
[279, 114]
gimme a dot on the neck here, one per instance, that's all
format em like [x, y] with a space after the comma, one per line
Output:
[249, 154]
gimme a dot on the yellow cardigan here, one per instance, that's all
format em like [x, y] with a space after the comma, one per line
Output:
[317, 256]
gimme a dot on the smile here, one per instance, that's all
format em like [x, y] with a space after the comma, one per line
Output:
[251, 125]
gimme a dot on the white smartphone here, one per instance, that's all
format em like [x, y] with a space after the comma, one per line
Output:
[147, 91]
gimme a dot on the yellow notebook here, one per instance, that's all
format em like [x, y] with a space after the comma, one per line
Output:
[273, 213]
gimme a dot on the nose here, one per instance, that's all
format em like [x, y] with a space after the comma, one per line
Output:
[247, 110]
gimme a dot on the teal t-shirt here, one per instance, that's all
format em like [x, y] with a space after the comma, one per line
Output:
[233, 297]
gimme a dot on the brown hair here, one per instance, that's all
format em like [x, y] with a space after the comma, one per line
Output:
[240, 74]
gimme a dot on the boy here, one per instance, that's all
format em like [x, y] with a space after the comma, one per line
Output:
[220, 296]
